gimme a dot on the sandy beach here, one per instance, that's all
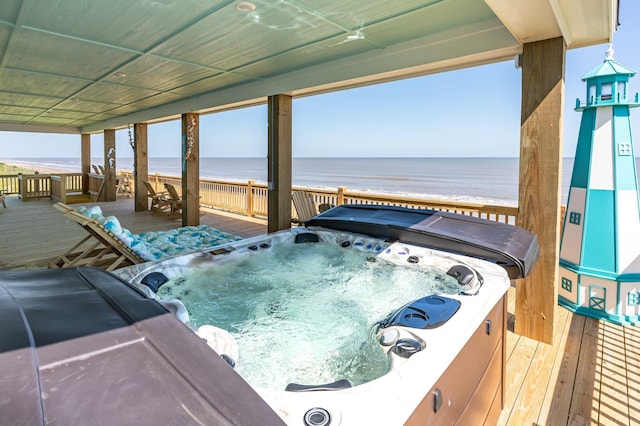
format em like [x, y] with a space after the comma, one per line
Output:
[34, 167]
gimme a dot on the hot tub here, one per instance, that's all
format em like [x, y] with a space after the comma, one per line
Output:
[433, 353]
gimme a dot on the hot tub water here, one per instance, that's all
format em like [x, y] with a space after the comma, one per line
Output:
[306, 313]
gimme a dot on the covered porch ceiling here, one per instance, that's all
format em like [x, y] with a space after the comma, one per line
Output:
[81, 66]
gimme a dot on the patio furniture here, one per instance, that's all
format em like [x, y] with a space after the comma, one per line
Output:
[306, 207]
[104, 249]
[174, 199]
[111, 246]
[159, 200]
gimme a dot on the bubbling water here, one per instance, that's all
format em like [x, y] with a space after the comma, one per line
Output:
[305, 313]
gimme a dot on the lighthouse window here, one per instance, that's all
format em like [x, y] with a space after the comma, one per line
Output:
[567, 284]
[592, 95]
[605, 92]
[634, 298]
[624, 149]
[621, 90]
[574, 217]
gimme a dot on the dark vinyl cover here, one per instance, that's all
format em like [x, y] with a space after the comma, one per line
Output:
[81, 346]
[507, 245]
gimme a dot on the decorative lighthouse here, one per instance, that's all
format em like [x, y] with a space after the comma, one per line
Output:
[600, 247]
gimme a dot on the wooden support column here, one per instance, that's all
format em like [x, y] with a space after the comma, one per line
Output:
[85, 160]
[279, 163]
[109, 188]
[539, 197]
[190, 169]
[140, 166]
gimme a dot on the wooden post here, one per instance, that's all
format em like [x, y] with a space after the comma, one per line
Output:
[279, 163]
[85, 165]
[341, 191]
[250, 198]
[140, 166]
[63, 188]
[190, 169]
[109, 190]
[540, 183]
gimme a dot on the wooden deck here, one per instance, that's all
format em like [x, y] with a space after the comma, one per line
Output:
[590, 375]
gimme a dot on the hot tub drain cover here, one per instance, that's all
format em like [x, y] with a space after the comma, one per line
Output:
[427, 312]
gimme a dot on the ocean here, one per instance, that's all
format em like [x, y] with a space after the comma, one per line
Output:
[478, 180]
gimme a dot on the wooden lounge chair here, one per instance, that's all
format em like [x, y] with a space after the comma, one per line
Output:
[159, 200]
[305, 206]
[174, 199]
[100, 248]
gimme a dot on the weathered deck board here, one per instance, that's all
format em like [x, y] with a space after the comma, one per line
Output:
[632, 351]
[587, 381]
[590, 375]
[614, 403]
[558, 401]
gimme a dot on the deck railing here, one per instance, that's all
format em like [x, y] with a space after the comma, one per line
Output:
[250, 199]
[34, 187]
[96, 183]
[9, 184]
[64, 184]
[245, 198]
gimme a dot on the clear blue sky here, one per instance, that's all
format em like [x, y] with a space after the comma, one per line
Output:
[472, 112]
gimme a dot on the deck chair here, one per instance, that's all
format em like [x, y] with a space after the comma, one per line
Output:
[159, 200]
[174, 199]
[96, 170]
[100, 248]
[305, 206]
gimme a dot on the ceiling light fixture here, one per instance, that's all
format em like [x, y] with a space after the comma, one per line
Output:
[245, 7]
